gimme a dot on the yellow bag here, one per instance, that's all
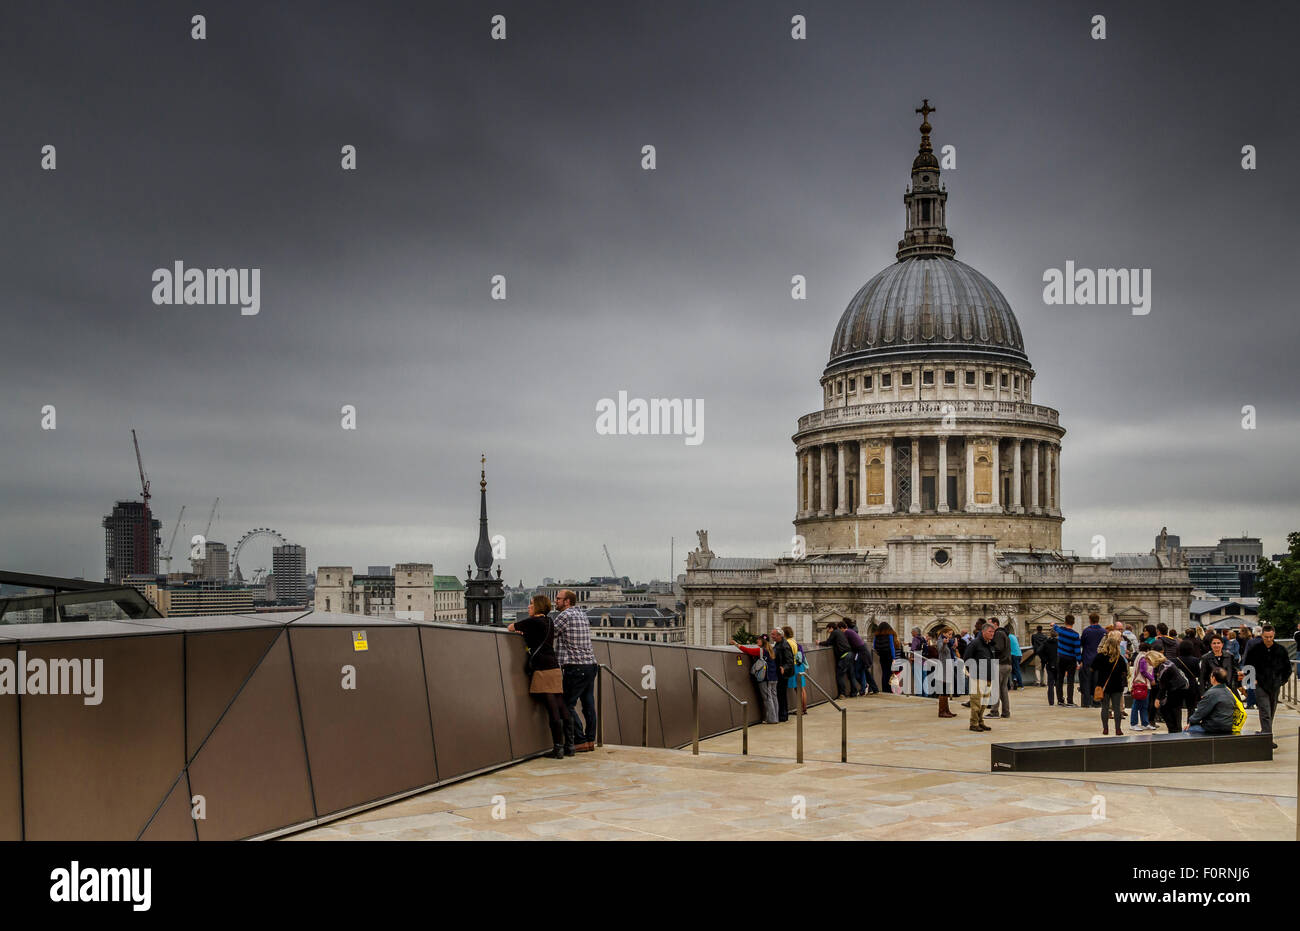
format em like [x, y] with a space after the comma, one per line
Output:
[1239, 715]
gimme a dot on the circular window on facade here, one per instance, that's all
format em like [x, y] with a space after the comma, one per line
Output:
[941, 557]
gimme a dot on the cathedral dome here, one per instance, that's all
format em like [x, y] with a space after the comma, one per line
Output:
[927, 306]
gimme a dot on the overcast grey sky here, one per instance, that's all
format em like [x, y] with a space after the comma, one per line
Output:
[522, 158]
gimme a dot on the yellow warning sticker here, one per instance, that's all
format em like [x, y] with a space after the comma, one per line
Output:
[359, 643]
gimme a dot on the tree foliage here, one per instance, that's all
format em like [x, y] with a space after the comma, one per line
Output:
[744, 636]
[1279, 589]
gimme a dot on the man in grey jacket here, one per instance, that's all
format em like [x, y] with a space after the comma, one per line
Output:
[1215, 711]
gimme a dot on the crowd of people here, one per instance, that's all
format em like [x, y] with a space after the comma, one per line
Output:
[1214, 677]
[1158, 674]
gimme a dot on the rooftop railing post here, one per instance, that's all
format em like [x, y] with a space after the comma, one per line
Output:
[695, 697]
[600, 718]
[600, 707]
[844, 720]
[695, 700]
[798, 755]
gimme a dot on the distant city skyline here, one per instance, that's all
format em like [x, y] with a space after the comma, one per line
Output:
[775, 158]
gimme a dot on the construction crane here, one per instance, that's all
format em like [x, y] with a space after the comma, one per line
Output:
[612, 571]
[208, 528]
[172, 543]
[144, 480]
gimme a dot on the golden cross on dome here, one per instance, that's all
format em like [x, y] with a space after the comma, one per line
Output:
[925, 110]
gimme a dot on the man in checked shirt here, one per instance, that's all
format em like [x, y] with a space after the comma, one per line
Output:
[578, 662]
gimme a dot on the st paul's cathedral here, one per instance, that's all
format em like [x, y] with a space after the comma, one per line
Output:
[927, 487]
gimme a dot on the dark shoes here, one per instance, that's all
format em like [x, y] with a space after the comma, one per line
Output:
[976, 729]
[557, 753]
[985, 727]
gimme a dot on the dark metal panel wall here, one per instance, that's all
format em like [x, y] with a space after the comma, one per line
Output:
[173, 821]
[628, 660]
[217, 663]
[98, 772]
[715, 716]
[608, 710]
[103, 772]
[742, 685]
[674, 691]
[11, 819]
[371, 741]
[252, 770]
[470, 728]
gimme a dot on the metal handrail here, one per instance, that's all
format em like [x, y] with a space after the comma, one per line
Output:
[695, 700]
[844, 722]
[600, 715]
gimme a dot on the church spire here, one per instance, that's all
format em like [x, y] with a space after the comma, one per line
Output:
[484, 595]
[926, 200]
[483, 552]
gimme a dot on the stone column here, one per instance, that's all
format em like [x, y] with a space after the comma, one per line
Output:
[798, 484]
[1048, 503]
[942, 480]
[1033, 479]
[862, 477]
[889, 475]
[915, 506]
[808, 487]
[1056, 479]
[824, 509]
[970, 474]
[996, 465]
[1016, 504]
[841, 481]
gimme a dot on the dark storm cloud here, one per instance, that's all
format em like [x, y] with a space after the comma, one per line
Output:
[522, 158]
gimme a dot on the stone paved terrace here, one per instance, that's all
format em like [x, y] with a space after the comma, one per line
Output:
[909, 776]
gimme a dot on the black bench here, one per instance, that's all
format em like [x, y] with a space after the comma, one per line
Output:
[1140, 751]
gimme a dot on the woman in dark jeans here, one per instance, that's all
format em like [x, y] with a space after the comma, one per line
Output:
[1110, 672]
[547, 679]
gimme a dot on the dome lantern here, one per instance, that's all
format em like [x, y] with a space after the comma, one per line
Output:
[926, 201]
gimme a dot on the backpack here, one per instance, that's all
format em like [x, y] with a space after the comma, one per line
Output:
[1238, 713]
[758, 668]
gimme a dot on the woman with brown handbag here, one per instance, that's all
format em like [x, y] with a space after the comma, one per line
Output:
[1111, 670]
[547, 680]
